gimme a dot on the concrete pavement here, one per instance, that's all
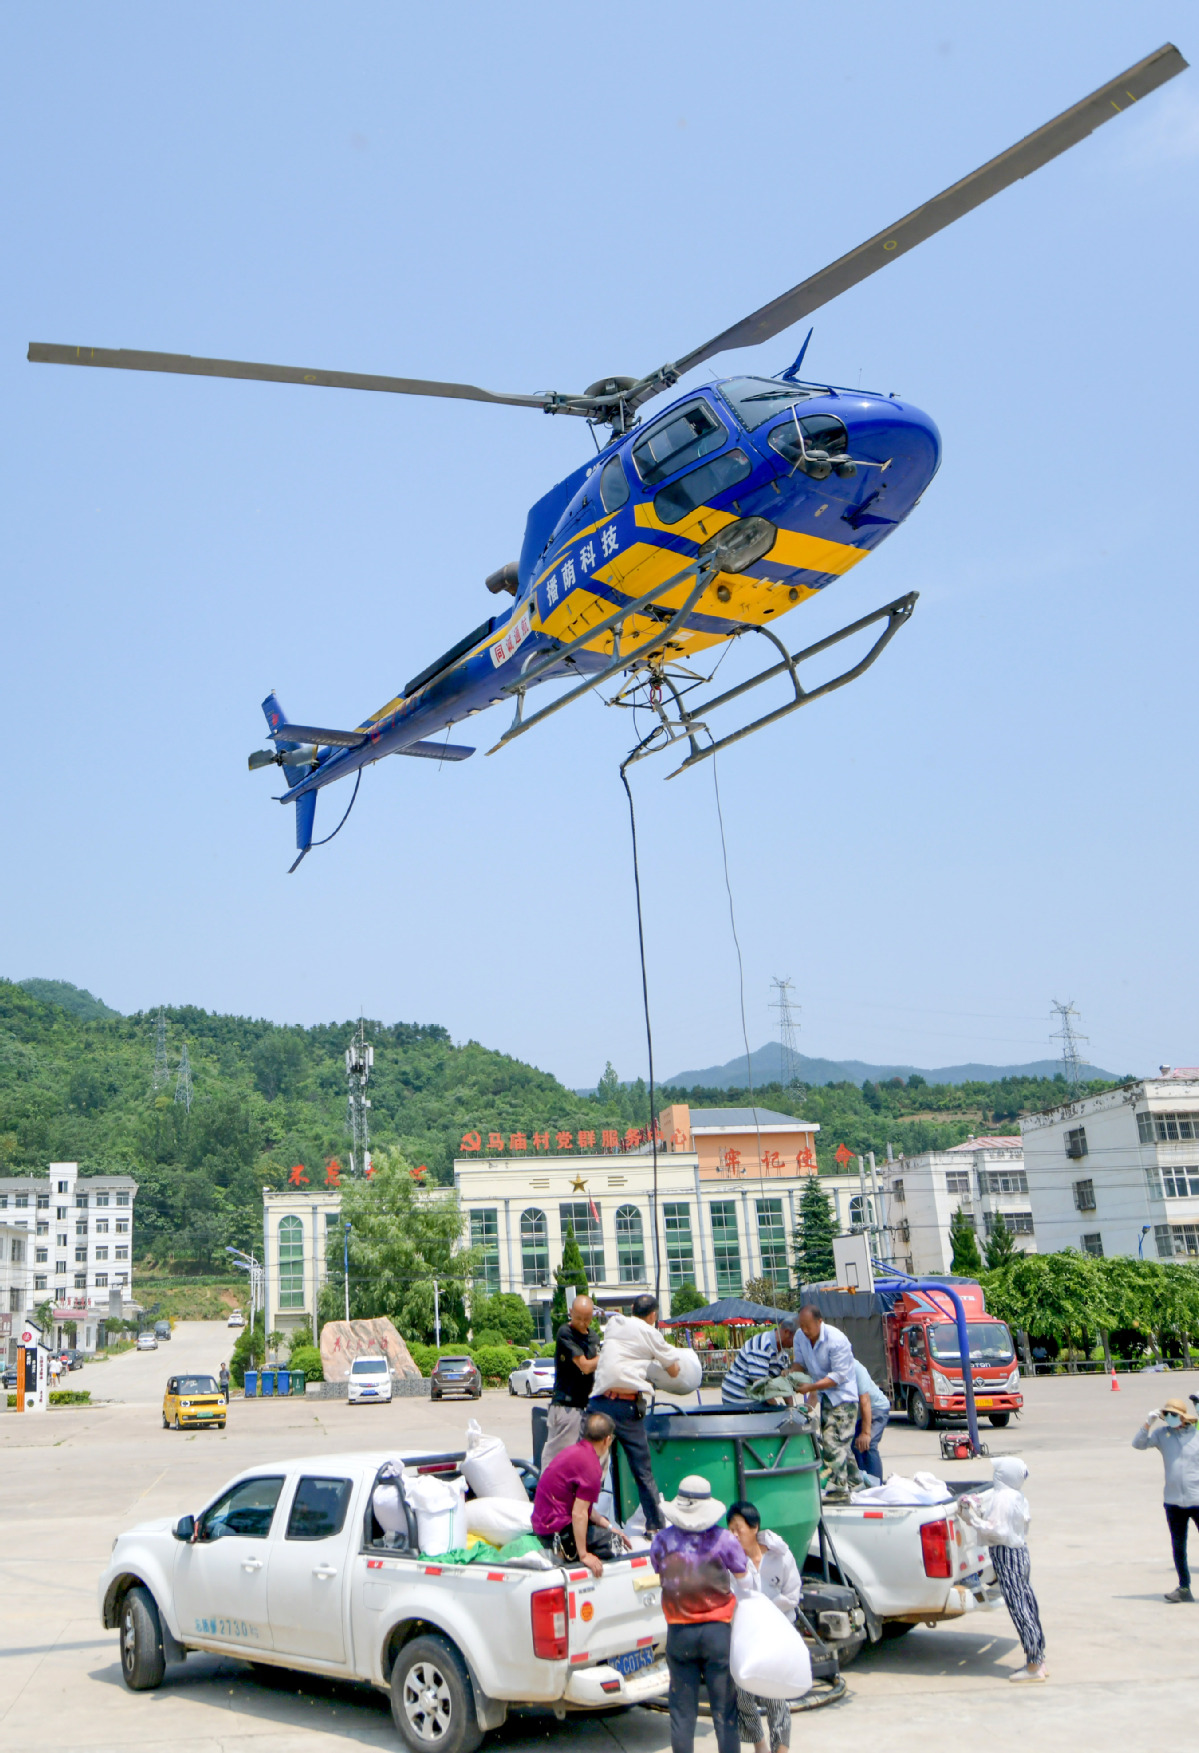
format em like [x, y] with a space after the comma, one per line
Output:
[1124, 1665]
[138, 1377]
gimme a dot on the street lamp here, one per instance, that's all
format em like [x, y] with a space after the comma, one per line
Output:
[1145, 1228]
[249, 1264]
[345, 1264]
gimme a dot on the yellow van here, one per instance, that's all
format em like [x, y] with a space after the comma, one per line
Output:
[193, 1400]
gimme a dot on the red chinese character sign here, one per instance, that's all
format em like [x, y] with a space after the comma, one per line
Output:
[297, 1177]
[843, 1155]
[333, 1174]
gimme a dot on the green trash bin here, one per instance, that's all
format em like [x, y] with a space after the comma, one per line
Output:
[768, 1457]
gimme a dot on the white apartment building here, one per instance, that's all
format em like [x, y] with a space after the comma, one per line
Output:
[1118, 1173]
[16, 1292]
[79, 1232]
[984, 1177]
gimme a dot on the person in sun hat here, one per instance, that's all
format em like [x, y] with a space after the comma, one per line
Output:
[697, 1559]
[1004, 1528]
[1177, 1439]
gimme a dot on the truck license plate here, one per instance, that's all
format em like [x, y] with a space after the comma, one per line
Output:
[985, 1403]
[633, 1662]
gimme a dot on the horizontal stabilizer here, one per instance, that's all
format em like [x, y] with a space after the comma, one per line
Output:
[437, 751]
[314, 733]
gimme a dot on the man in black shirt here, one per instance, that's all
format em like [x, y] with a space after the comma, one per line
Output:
[576, 1353]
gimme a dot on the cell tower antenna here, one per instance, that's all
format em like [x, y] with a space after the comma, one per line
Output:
[1071, 1040]
[183, 1083]
[359, 1058]
[162, 1075]
[788, 1028]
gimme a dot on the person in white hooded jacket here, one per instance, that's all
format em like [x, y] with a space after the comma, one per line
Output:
[1004, 1527]
[773, 1572]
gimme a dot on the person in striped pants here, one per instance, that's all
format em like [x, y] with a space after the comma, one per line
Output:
[1005, 1530]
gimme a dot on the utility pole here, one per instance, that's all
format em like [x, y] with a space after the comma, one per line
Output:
[162, 1075]
[346, 1265]
[788, 1043]
[879, 1228]
[1070, 1040]
[359, 1059]
[183, 1084]
[436, 1316]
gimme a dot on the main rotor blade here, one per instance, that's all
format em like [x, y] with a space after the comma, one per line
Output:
[123, 359]
[1018, 161]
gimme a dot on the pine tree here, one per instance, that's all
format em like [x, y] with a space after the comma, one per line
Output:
[571, 1271]
[967, 1261]
[1000, 1248]
[607, 1090]
[818, 1226]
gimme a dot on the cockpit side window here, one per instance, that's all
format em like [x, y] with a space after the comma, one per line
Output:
[614, 487]
[679, 438]
[755, 399]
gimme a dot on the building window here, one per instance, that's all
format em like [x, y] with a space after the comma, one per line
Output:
[534, 1247]
[81, 1281]
[81, 1200]
[1084, 1195]
[999, 1181]
[64, 1186]
[14, 1301]
[81, 1256]
[630, 1245]
[101, 1281]
[123, 1254]
[101, 1226]
[122, 1198]
[485, 1235]
[101, 1198]
[897, 1192]
[3, 1201]
[772, 1240]
[60, 1213]
[18, 1251]
[1019, 1223]
[726, 1247]
[43, 1202]
[39, 1281]
[680, 1257]
[1180, 1183]
[905, 1230]
[1076, 1143]
[22, 1200]
[1093, 1244]
[861, 1212]
[1183, 1236]
[101, 1253]
[1166, 1128]
[42, 1256]
[81, 1227]
[291, 1263]
[588, 1235]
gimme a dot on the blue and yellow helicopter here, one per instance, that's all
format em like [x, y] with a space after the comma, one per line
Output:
[707, 524]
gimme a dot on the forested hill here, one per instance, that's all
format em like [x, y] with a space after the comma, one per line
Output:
[79, 1088]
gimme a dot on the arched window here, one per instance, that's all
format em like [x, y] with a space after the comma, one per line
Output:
[291, 1263]
[534, 1247]
[861, 1212]
[630, 1245]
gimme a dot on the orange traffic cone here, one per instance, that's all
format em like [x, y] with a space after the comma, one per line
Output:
[1115, 1383]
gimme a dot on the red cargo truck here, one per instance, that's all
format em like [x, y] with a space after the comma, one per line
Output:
[925, 1362]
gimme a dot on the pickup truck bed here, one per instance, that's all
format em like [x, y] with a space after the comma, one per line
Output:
[288, 1567]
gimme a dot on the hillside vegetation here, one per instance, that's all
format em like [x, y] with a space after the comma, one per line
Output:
[79, 1087]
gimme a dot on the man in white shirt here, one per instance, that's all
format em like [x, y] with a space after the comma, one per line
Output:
[630, 1343]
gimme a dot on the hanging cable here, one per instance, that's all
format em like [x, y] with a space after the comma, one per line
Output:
[649, 1037]
[344, 819]
[749, 1070]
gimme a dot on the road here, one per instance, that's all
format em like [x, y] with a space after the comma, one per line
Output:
[1124, 1665]
[137, 1378]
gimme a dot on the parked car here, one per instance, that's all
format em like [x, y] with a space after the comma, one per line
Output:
[162, 1329]
[455, 1375]
[535, 1376]
[10, 1376]
[74, 1359]
[370, 1379]
[146, 1341]
[193, 1400]
[236, 1319]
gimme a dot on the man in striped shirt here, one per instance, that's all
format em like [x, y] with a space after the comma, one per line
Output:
[766, 1355]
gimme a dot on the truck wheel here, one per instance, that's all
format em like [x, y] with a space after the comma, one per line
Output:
[918, 1412]
[432, 1700]
[999, 1419]
[142, 1662]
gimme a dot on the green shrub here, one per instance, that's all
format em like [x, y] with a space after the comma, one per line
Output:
[69, 1396]
[451, 1350]
[423, 1356]
[505, 1314]
[487, 1339]
[308, 1359]
[495, 1361]
[546, 1350]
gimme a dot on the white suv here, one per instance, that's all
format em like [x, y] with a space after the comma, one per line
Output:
[370, 1379]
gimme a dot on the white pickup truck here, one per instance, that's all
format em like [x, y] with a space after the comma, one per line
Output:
[288, 1567]
[908, 1564]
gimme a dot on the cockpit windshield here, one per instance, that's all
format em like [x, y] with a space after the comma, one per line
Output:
[754, 399]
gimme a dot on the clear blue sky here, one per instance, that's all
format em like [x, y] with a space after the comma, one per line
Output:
[1003, 812]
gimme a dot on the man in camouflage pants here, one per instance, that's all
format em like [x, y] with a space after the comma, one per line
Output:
[827, 1356]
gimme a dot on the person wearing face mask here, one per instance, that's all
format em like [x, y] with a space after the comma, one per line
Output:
[1004, 1527]
[1172, 1431]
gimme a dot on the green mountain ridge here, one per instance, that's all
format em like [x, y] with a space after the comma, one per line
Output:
[269, 1096]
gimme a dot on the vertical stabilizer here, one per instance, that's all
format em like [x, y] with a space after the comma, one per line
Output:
[305, 816]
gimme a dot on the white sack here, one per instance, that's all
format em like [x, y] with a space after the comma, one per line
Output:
[487, 1469]
[388, 1506]
[922, 1488]
[768, 1657]
[688, 1379]
[440, 1512]
[498, 1519]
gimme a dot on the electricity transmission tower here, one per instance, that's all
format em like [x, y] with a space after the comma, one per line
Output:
[183, 1083]
[359, 1059]
[788, 1027]
[1070, 1040]
[162, 1075]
